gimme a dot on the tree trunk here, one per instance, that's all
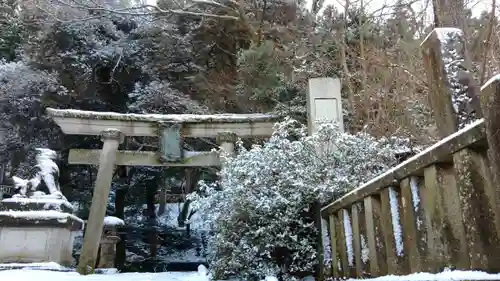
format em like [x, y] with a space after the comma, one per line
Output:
[151, 218]
[320, 269]
[120, 213]
[165, 189]
[2, 172]
[449, 13]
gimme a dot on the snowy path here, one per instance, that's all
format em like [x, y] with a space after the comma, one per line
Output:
[41, 275]
[452, 275]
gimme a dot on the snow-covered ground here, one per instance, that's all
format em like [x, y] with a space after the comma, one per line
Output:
[451, 275]
[41, 275]
[54, 272]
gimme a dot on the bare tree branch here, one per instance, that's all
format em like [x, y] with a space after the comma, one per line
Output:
[148, 10]
[487, 43]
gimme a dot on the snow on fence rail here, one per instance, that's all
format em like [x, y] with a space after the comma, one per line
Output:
[439, 208]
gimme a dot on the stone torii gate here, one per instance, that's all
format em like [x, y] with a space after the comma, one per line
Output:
[323, 104]
[170, 129]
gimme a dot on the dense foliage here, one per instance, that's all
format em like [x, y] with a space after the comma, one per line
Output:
[260, 212]
[23, 126]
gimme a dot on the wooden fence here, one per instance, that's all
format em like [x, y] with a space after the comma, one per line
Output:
[440, 208]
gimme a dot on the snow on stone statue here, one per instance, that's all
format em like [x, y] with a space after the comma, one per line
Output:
[46, 179]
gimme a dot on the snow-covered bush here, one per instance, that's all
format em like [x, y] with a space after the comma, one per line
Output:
[161, 97]
[24, 93]
[259, 213]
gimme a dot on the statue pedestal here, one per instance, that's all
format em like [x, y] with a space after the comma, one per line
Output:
[37, 230]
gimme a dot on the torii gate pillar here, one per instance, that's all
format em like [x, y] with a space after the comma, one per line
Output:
[111, 139]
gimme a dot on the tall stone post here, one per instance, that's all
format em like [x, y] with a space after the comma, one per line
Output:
[227, 142]
[476, 242]
[324, 103]
[111, 140]
[453, 93]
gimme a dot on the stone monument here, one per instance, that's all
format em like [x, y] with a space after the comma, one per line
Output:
[37, 224]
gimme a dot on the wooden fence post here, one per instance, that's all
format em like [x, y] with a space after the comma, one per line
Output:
[453, 97]
[391, 210]
[344, 259]
[333, 244]
[349, 241]
[412, 222]
[360, 244]
[446, 241]
[375, 236]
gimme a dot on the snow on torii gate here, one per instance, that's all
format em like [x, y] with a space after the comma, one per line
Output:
[171, 129]
[323, 103]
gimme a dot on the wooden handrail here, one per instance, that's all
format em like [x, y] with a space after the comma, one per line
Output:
[472, 136]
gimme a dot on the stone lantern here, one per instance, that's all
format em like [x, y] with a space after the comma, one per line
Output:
[109, 239]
